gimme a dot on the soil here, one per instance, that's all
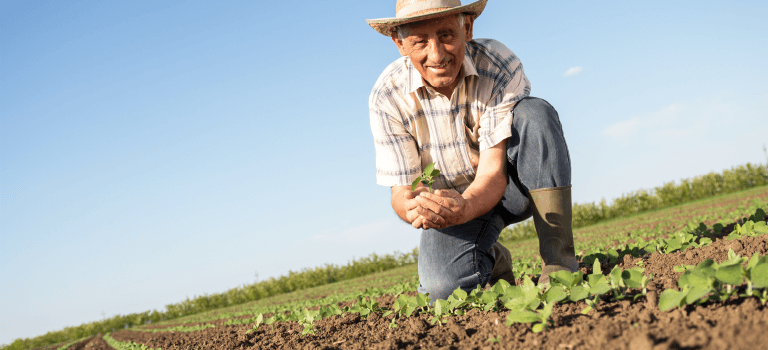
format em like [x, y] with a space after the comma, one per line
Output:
[738, 323]
[92, 343]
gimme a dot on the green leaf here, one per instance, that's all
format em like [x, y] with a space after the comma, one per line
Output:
[760, 275]
[522, 317]
[415, 183]
[538, 327]
[438, 310]
[564, 277]
[705, 241]
[435, 173]
[632, 278]
[761, 227]
[422, 300]
[428, 170]
[696, 293]
[674, 244]
[730, 274]
[578, 293]
[753, 261]
[596, 268]
[616, 276]
[555, 294]
[670, 299]
[459, 294]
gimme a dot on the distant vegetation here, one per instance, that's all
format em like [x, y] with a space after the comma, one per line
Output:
[736, 179]
[671, 193]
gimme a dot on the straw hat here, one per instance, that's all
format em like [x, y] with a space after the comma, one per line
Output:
[408, 11]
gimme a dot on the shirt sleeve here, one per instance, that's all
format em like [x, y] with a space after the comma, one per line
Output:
[510, 86]
[397, 156]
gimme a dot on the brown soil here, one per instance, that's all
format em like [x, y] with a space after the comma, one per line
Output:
[738, 323]
[93, 343]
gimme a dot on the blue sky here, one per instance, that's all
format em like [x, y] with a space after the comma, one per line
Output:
[152, 151]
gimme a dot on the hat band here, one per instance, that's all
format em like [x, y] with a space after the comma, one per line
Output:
[418, 7]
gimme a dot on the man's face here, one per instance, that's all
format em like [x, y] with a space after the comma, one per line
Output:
[436, 48]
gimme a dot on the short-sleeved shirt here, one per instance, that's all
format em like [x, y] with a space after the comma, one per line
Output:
[413, 125]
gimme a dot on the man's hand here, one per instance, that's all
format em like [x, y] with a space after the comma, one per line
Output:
[408, 208]
[442, 209]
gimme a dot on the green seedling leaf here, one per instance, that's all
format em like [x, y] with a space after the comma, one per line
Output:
[522, 317]
[616, 276]
[422, 300]
[670, 299]
[753, 261]
[730, 274]
[428, 170]
[596, 270]
[696, 293]
[579, 293]
[538, 327]
[761, 227]
[459, 294]
[494, 340]
[632, 278]
[415, 183]
[564, 277]
[760, 275]
[555, 294]
[501, 287]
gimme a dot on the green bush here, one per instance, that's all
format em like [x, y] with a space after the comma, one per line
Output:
[736, 179]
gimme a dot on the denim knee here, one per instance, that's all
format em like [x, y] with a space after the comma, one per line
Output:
[537, 147]
[458, 256]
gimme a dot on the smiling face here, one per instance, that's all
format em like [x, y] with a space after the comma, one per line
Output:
[436, 48]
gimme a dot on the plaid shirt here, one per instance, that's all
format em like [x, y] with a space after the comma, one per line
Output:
[413, 125]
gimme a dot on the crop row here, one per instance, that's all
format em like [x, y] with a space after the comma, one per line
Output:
[530, 303]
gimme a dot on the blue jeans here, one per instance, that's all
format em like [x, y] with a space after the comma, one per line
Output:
[459, 256]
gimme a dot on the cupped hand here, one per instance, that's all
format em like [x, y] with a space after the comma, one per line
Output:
[441, 209]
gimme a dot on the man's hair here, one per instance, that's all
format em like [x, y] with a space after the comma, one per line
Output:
[403, 31]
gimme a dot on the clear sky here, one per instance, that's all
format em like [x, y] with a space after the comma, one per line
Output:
[156, 150]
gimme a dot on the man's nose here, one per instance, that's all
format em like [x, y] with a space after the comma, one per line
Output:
[436, 51]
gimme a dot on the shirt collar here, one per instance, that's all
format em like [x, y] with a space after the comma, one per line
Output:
[414, 77]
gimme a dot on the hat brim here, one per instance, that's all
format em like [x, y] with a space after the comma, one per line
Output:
[386, 26]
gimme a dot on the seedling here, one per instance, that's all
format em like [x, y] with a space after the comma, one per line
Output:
[497, 339]
[259, 320]
[427, 177]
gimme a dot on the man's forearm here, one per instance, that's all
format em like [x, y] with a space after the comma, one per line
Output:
[484, 193]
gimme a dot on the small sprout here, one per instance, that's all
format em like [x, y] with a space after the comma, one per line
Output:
[497, 339]
[427, 177]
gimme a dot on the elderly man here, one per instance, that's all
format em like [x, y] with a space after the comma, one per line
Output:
[464, 104]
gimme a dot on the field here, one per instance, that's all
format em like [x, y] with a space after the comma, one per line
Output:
[693, 276]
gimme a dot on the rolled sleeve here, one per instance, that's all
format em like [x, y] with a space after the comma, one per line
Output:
[511, 87]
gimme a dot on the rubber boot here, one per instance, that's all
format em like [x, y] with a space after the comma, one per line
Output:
[552, 218]
[502, 269]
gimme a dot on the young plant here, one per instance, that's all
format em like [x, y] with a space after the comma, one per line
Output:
[524, 316]
[427, 177]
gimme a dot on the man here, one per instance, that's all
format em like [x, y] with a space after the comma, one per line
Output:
[464, 105]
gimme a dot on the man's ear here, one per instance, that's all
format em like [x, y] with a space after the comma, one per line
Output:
[469, 21]
[399, 43]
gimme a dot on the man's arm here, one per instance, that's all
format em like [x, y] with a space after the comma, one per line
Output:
[448, 208]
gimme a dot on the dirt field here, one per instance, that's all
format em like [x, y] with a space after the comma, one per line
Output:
[739, 323]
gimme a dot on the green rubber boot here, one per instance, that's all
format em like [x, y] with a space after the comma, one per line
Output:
[552, 218]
